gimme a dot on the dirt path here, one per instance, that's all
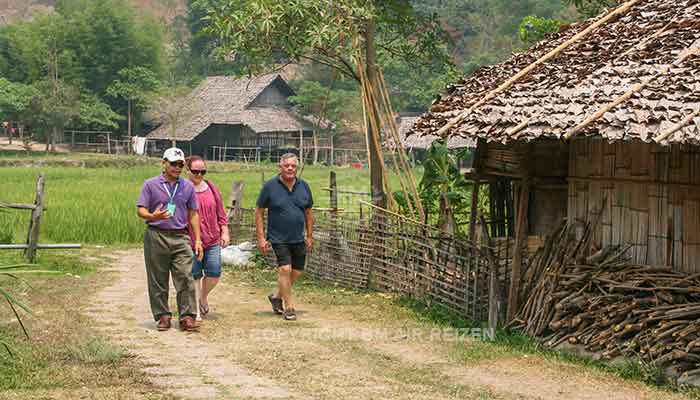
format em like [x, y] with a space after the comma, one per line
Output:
[332, 352]
[182, 363]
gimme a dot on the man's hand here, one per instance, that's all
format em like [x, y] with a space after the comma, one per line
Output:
[309, 243]
[199, 250]
[160, 213]
[263, 246]
[225, 239]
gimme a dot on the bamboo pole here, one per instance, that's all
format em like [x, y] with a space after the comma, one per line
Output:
[370, 106]
[684, 122]
[693, 49]
[402, 154]
[520, 236]
[510, 82]
[601, 111]
[473, 212]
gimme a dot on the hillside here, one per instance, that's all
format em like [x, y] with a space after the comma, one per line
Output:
[14, 10]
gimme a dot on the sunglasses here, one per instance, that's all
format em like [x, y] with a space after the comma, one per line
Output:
[198, 172]
[177, 164]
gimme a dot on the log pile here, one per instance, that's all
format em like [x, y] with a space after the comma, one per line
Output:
[611, 306]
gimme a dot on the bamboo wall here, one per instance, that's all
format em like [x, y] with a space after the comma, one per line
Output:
[653, 198]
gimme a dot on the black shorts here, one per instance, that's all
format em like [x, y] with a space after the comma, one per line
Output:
[293, 254]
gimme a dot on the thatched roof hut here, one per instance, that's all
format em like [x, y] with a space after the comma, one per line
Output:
[600, 120]
[248, 112]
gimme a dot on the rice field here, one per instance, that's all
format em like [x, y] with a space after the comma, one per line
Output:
[98, 205]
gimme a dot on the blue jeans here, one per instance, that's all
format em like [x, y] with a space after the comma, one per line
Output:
[210, 266]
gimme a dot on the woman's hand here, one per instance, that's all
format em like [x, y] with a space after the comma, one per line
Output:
[225, 238]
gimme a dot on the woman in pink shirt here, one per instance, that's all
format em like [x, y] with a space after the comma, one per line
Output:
[213, 224]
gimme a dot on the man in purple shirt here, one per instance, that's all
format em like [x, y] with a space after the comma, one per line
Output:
[167, 203]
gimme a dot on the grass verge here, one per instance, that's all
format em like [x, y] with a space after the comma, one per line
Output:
[516, 344]
[64, 358]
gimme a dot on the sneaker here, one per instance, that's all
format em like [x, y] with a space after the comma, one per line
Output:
[289, 315]
[276, 304]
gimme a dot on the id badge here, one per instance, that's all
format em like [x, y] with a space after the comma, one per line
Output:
[171, 208]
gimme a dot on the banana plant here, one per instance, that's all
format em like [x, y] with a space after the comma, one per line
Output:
[444, 190]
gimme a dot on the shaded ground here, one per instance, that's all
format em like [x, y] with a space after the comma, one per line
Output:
[345, 345]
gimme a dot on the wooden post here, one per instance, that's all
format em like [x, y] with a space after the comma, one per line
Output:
[520, 237]
[473, 214]
[335, 253]
[301, 146]
[109, 146]
[494, 296]
[128, 124]
[333, 192]
[35, 221]
[234, 213]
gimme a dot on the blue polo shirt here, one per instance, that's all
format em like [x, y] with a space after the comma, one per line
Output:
[285, 210]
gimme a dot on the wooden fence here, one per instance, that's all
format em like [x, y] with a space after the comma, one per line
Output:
[386, 252]
[37, 209]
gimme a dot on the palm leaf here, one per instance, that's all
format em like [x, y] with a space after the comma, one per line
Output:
[15, 266]
[8, 349]
[14, 310]
[13, 300]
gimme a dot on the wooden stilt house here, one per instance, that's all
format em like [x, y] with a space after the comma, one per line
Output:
[602, 119]
[247, 118]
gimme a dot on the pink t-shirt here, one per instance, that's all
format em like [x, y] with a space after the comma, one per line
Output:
[211, 216]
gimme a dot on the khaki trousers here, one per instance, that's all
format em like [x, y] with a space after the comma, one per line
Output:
[166, 254]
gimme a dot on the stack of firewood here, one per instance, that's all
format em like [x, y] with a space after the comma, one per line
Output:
[609, 305]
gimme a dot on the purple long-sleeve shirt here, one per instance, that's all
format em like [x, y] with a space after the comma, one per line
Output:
[154, 194]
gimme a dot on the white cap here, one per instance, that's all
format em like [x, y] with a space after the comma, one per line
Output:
[174, 154]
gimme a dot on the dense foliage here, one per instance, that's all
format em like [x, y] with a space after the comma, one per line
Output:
[70, 57]
[114, 57]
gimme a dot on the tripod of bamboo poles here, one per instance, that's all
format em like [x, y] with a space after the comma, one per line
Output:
[378, 112]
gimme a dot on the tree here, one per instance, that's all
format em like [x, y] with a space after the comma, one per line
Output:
[201, 59]
[15, 99]
[85, 43]
[343, 35]
[590, 8]
[533, 29]
[168, 107]
[107, 37]
[135, 85]
[94, 113]
[330, 107]
[54, 105]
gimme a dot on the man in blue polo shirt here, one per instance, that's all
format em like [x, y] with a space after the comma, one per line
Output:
[168, 203]
[290, 227]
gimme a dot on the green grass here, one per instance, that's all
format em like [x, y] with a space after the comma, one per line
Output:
[63, 352]
[515, 344]
[98, 205]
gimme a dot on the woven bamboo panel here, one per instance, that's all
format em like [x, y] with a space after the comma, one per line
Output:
[691, 236]
[385, 252]
[651, 204]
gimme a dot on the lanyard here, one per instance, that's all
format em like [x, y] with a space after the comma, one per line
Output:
[165, 186]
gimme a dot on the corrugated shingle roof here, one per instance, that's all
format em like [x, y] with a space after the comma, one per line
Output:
[423, 142]
[644, 46]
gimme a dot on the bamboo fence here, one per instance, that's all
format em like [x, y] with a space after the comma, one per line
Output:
[382, 251]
